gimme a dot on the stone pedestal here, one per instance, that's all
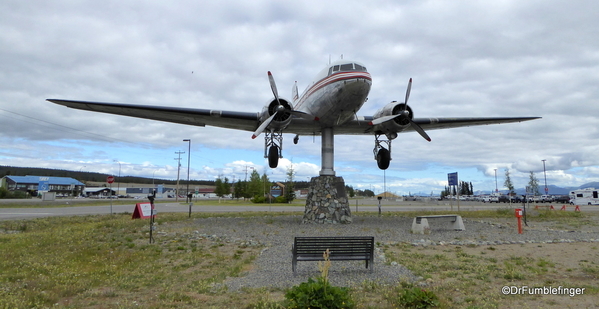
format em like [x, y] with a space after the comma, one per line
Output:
[327, 201]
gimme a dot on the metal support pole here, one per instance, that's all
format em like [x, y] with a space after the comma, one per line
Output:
[328, 152]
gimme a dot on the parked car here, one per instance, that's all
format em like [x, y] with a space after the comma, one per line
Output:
[490, 199]
[504, 199]
[546, 198]
[561, 199]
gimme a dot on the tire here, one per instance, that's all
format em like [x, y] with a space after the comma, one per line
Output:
[273, 156]
[383, 158]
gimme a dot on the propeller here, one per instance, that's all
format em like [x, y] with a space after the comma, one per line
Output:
[416, 127]
[405, 114]
[280, 109]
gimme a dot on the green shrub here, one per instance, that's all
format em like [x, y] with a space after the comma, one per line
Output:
[5, 193]
[258, 199]
[415, 297]
[280, 199]
[318, 294]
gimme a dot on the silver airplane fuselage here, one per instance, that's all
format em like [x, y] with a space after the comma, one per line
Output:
[337, 93]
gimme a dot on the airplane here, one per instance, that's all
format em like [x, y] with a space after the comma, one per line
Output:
[328, 106]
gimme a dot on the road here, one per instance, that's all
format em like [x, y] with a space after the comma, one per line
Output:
[40, 212]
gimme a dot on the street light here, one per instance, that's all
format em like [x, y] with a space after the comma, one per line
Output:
[118, 185]
[188, 163]
[545, 173]
[496, 189]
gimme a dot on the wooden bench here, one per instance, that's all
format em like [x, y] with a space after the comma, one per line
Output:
[343, 248]
[420, 223]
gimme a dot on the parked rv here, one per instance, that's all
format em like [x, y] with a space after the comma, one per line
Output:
[588, 196]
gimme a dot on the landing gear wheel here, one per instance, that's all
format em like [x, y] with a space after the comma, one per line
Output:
[273, 156]
[383, 158]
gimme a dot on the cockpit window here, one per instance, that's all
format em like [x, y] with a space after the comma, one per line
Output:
[346, 67]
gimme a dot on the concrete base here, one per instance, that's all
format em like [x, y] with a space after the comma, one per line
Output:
[327, 201]
[421, 228]
[420, 223]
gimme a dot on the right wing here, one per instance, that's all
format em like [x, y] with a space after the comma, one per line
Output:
[361, 127]
[189, 116]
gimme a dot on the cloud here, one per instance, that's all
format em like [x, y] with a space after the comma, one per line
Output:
[506, 58]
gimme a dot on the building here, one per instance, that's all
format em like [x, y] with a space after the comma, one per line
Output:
[99, 192]
[63, 186]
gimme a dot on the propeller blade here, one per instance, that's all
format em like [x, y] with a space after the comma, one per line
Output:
[383, 119]
[420, 130]
[408, 93]
[273, 86]
[263, 126]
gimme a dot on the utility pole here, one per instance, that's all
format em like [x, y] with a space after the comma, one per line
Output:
[246, 171]
[178, 170]
[545, 173]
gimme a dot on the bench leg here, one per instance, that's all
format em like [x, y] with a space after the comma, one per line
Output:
[422, 227]
[293, 265]
[458, 224]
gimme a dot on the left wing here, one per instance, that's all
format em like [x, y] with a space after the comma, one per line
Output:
[189, 116]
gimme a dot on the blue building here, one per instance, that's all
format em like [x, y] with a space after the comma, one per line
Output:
[31, 184]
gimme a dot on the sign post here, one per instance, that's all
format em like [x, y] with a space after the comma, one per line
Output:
[110, 180]
[452, 179]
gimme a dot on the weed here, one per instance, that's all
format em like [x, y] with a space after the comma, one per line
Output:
[414, 297]
[319, 293]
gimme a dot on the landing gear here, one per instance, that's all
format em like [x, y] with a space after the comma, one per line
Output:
[382, 155]
[273, 156]
[273, 144]
[383, 158]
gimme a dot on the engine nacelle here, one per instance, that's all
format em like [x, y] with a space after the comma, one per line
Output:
[392, 127]
[282, 118]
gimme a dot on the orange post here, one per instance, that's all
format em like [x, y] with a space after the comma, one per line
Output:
[519, 216]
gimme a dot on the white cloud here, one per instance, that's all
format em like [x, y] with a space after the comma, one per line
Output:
[506, 58]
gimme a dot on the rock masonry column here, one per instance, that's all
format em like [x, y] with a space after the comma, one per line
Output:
[327, 201]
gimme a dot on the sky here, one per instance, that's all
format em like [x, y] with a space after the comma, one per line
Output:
[467, 59]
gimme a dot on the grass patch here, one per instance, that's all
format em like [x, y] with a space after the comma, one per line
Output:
[107, 261]
[464, 277]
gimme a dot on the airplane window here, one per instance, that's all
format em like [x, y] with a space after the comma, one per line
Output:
[359, 67]
[347, 67]
[335, 68]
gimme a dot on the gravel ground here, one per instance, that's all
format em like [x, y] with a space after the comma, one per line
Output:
[272, 268]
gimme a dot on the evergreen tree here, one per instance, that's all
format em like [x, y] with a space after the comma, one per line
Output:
[508, 182]
[265, 185]
[255, 187]
[533, 183]
[226, 187]
[350, 191]
[239, 189]
[289, 190]
[220, 189]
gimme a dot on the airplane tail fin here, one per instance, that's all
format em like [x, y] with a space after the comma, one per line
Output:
[294, 93]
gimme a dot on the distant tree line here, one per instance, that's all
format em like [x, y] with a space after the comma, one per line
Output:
[87, 176]
[464, 188]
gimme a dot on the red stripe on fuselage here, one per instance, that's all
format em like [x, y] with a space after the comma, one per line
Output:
[332, 79]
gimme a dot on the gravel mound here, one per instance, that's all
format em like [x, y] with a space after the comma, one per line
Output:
[272, 268]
